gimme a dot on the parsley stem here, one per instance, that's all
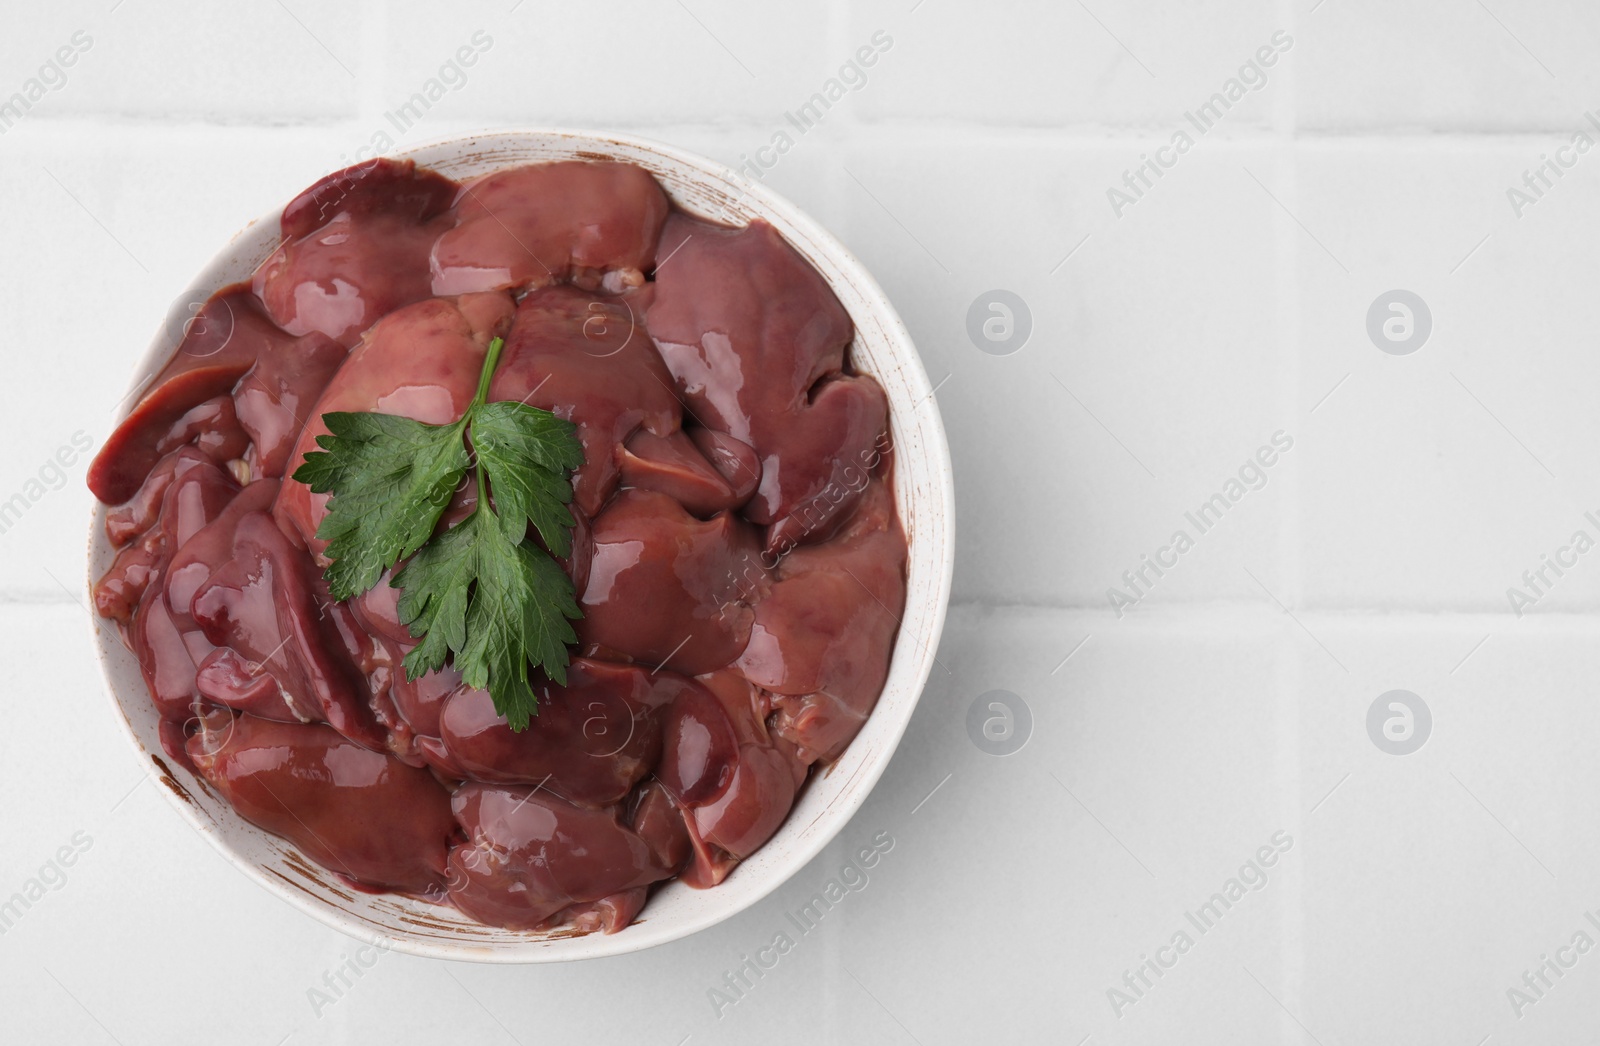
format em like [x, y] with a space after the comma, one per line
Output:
[490, 361]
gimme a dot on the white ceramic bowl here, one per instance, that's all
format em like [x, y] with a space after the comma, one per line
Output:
[923, 488]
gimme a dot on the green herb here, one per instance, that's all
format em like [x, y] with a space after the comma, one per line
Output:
[479, 592]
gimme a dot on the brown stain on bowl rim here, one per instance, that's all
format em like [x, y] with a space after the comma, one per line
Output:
[172, 783]
[308, 892]
[300, 866]
[447, 928]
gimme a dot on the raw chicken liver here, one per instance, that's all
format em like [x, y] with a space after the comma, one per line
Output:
[736, 552]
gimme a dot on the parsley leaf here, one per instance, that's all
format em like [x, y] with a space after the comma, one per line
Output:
[495, 604]
[480, 593]
[391, 479]
[527, 453]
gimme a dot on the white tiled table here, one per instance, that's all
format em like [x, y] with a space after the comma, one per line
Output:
[1169, 343]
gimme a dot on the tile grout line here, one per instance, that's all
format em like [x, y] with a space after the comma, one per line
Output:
[1291, 936]
[73, 127]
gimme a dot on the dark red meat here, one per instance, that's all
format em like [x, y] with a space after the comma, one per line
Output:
[362, 814]
[735, 554]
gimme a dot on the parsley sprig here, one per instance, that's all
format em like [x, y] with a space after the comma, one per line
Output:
[480, 592]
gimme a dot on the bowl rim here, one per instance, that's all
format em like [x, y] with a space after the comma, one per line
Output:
[840, 812]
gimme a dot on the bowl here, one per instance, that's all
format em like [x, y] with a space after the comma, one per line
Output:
[923, 488]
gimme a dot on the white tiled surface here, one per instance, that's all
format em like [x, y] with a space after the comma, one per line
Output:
[1168, 345]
